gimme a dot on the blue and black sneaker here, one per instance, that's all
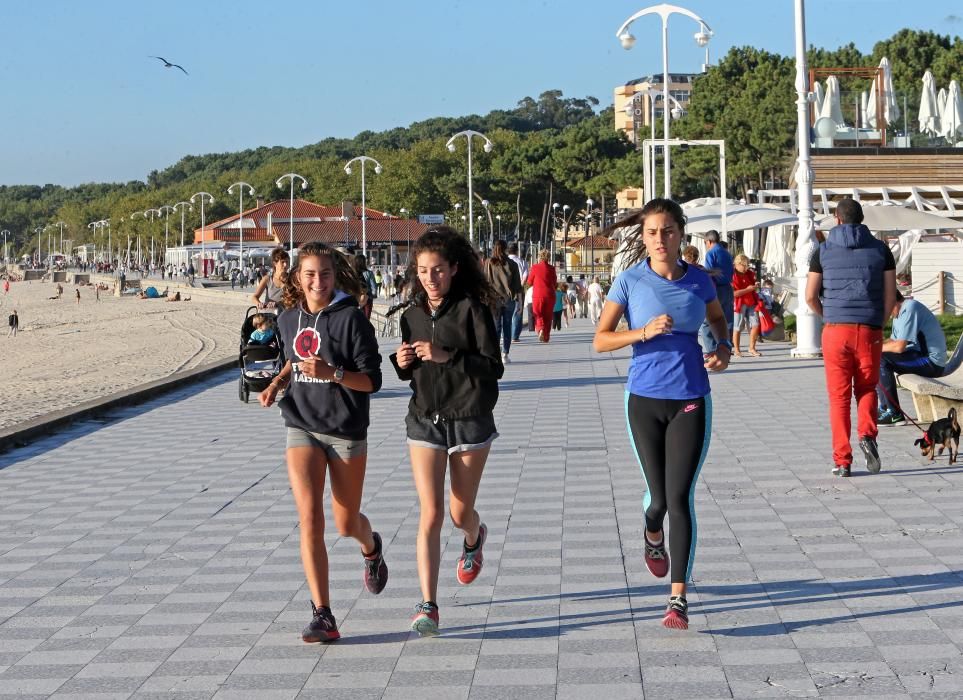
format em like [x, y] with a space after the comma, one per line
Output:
[890, 417]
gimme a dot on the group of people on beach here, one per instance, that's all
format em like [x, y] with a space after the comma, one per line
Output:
[450, 354]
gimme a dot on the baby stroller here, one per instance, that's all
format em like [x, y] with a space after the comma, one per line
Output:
[259, 364]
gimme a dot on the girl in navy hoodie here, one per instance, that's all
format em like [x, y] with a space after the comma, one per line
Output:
[333, 367]
[450, 353]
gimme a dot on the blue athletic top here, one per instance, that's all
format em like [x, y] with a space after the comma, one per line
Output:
[668, 366]
[921, 330]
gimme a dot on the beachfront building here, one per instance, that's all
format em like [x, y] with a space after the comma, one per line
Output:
[268, 225]
[634, 103]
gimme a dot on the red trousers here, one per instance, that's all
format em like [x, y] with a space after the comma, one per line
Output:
[851, 352]
[543, 310]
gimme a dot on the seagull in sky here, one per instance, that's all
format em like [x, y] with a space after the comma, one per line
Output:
[168, 64]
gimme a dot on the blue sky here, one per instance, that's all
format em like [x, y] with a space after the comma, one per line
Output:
[82, 102]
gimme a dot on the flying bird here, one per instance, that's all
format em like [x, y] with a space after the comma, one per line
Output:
[168, 64]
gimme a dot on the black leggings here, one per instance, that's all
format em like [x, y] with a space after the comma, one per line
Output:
[671, 440]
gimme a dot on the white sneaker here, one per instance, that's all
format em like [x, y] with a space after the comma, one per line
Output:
[505, 359]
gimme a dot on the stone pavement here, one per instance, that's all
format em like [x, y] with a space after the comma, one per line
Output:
[155, 554]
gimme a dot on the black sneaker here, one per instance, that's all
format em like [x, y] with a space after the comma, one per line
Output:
[322, 627]
[841, 470]
[868, 446]
[375, 569]
[890, 418]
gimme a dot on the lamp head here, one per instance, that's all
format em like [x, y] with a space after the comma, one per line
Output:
[403, 210]
[347, 169]
[457, 205]
[627, 40]
[377, 170]
[278, 183]
[485, 203]
[555, 205]
[590, 203]
[703, 36]
[488, 147]
[676, 113]
[304, 184]
[451, 147]
[565, 207]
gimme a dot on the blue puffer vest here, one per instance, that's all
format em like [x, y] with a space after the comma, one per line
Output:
[852, 261]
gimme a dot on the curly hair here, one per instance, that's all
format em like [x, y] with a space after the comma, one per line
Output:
[345, 277]
[632, 244]
[279, 254]
[469, 281]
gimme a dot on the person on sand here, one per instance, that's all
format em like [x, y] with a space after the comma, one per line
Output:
[333, 368]
[6, 286]
[449, 352]
[78, 295]
[14, 322]
[668, 407]
[269, 293]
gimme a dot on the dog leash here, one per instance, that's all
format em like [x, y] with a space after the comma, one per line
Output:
[926, 437]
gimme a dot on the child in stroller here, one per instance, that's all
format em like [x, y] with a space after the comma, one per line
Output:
[261, 357]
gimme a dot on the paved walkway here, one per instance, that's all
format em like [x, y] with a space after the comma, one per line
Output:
[155, 555]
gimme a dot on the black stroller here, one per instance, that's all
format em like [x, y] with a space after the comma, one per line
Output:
[259, 363]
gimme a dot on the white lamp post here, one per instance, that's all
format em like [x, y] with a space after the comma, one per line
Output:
[5, 233]
[588, 229]
[628, 41]
[469, 134]
[304, 185]
[630, 109]
[491, 231]
[240, 216]
[166, 211]
[182, 206]
[151, 214]
[210, 200]
[498, 218]
[364, 211]
[61, 224]
[808, 325]
[38, 231]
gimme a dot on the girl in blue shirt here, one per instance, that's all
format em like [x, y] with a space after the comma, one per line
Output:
[668, 410]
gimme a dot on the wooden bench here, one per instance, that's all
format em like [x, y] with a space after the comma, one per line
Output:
[933, 397]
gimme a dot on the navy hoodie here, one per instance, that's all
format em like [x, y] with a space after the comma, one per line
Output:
[341, 336]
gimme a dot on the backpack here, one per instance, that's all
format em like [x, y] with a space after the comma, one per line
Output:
[12, 321]
[372, 285]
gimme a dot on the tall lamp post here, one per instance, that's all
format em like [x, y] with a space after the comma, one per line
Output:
[61, 224]
[588, 228]
[630, 109]
[5, 233]
[808, 325]
[404, 212]
[240, 215]
[183, 206]
[702, 37]
[469, 134]
[364, 211]
[304, 185]
[210, 200]
[39, 230]
[166, 211]
[152, 214]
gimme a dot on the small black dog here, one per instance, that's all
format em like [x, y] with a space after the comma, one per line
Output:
[944, 433]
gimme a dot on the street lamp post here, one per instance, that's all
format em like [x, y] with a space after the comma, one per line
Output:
[61, 224]
[588, 228]
[364, 211]
[498, 218]
[182, 206]
[808, 325]
[150, 214]
[469, 134]
[676, 112]
[5, 233]
[404, 212]
[166, 211]
[210, 200]
[304, 185]
[38, 231]
[702, 37]
[240, 216]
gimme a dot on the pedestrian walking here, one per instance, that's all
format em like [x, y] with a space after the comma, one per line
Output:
[523, 277]
[13, 321]
[668, 407]
[77, 289]
[449, 353]
[529, 312]
[852, 285]
[596, 298]
[369, 286]
[6, 286]
[544, 281]
[502, 275]
[333, 368]
[561, 307]
[718, 263]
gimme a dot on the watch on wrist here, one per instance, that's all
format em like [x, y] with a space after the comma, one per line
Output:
[339, 374]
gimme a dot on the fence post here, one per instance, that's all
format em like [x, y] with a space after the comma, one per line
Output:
[941, 278]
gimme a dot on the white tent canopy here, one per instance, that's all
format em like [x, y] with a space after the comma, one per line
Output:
[890, 108]
[888, 216]
[929, 115]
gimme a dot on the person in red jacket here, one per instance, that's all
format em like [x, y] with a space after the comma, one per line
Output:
[744, 290]
[543, 279]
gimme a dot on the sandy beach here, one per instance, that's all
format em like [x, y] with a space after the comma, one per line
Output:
[67, 353]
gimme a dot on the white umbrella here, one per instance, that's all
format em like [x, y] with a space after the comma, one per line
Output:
[831, 106]
[890, 109]
[893, 217]
[864, 109]
[951, 118]
[777, 257]
[739, 217]
[902, 248]
[941, 101]
[929, 116]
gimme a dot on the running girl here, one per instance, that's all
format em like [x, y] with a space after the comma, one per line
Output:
[449, 352]
[668, 409]
[335, 365]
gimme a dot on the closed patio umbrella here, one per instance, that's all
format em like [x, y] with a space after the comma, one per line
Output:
[951, 118]
[929, 115]
[831, 106]
[890, 109]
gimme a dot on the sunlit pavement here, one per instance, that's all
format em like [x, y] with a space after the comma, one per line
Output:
[155, 554]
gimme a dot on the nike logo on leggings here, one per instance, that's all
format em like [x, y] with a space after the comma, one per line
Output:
[690, 408]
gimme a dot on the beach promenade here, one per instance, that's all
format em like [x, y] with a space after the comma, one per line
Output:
[154, 554]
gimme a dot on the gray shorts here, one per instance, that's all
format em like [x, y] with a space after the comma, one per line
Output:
[333, 446]
[452, 435]
[746, 316]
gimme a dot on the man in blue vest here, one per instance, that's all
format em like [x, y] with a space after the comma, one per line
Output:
[718, 264]
[852, 285]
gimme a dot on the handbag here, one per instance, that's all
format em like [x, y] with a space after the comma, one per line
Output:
[766, 324]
